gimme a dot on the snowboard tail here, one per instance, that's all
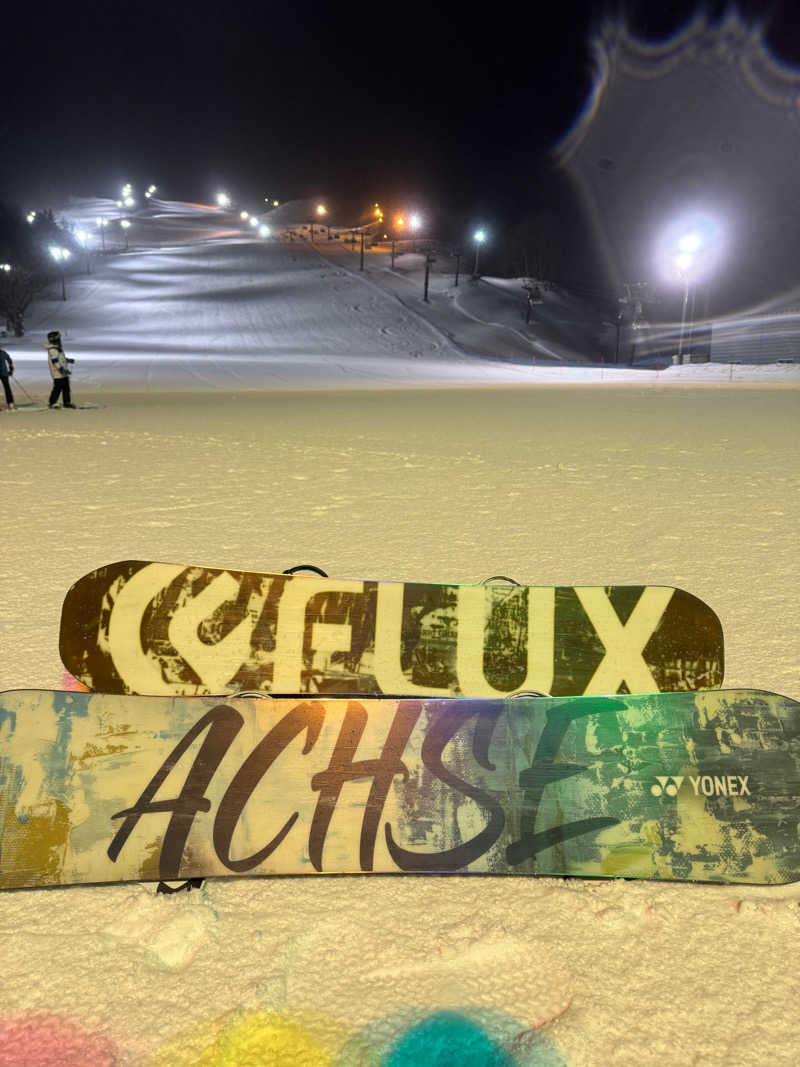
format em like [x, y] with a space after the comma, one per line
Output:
[171, 629]
[678, 786]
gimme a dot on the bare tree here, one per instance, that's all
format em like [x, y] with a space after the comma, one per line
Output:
[18, 287]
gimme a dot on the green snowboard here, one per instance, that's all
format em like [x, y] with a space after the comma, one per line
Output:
[170, 629]
[675, 786]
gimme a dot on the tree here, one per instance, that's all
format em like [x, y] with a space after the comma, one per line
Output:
[24, 248]
[18, 287]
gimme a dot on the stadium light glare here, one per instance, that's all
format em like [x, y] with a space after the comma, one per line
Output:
[690, 243]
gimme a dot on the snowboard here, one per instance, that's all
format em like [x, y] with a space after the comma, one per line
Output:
[171, 629]
[686, 786]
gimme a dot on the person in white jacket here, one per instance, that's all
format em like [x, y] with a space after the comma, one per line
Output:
[59, 371]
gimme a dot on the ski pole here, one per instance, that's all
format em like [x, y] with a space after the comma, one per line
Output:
[22, 387]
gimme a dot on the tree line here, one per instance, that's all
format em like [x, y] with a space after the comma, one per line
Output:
[26, 266]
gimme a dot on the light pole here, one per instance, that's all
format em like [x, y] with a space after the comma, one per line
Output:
[361, 267]
[61, 255]
[414, 223]
[399, 223]
[458, 254]
[429, 259]
[125, 227]
[688, 247]
[689, 250]
[102, 223]
[478, 237]
[84, 237]
[321, 211]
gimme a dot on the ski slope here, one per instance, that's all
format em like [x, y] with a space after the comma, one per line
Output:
[206, 305]
[200, 302]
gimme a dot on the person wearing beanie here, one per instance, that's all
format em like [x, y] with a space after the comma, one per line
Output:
[59, 371]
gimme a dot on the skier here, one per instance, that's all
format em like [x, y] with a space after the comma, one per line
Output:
[59, 371]
[6, 370]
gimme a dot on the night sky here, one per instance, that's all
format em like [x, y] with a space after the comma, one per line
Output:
[409, 103]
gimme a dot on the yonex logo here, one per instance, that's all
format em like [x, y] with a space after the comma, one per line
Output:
[707, 785]
[669, 785]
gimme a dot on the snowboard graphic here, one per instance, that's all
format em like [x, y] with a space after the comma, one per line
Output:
[170, 629]
[677, 786]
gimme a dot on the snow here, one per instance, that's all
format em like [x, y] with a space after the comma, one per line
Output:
[197, 302]
[209, 447]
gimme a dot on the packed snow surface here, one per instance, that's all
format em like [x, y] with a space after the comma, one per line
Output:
[686, 485]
